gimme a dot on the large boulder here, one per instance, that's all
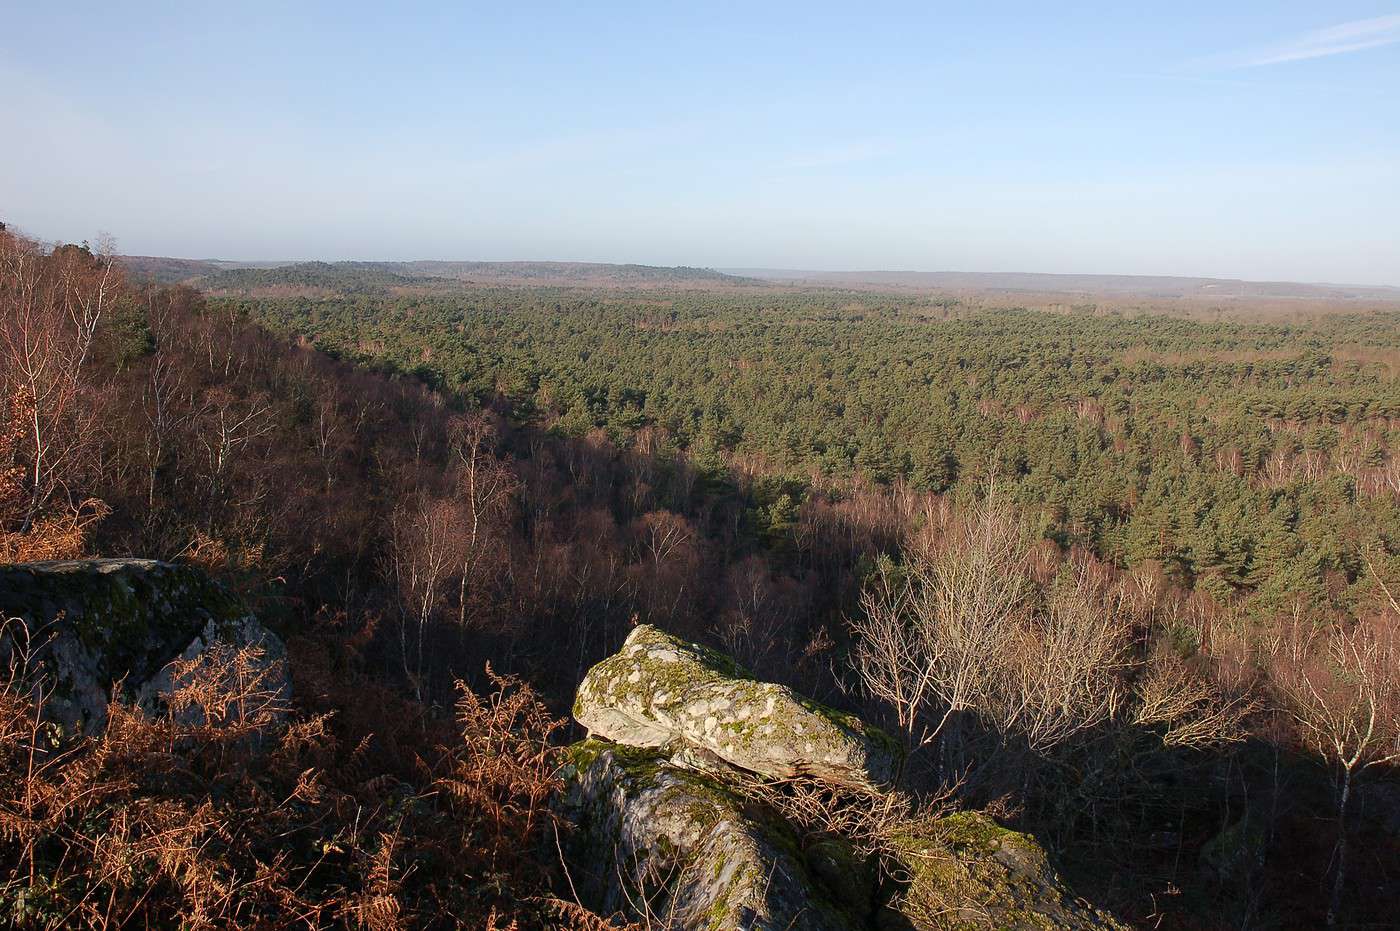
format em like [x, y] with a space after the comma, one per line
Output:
[658, 691]
[672, 847]
[90, 624]
[676, 849]
[668, 830]
[965, 872]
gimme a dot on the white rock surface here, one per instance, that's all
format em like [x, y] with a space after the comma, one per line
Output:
[658, 691]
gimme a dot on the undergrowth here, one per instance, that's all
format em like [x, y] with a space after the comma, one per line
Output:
[232, 808]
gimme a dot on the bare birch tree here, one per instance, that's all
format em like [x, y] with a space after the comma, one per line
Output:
[1342, 689]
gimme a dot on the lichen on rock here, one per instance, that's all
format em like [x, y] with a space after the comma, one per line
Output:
[665, 831]
[659, 691]
[677, 849]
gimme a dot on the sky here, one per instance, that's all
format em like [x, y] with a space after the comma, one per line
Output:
[1252, 140]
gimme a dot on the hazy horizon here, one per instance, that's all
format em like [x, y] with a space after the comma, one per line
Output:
[1258, 143]
[737, 270]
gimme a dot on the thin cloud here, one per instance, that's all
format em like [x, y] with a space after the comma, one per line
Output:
[1341, 39]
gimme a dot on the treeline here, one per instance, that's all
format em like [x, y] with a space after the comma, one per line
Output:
[383, 278]
[328, 277]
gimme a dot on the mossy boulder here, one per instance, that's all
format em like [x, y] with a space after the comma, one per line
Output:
[665, 833]
[966, 872]
[677, 849]
[90, 624]
[659, 691]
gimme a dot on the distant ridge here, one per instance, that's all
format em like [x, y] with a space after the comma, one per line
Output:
[165, 270]
[220, 276]
[536, 271]
[1145, 286]
[226, 276]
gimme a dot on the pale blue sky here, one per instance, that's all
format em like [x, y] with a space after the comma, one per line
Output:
[1257, 140]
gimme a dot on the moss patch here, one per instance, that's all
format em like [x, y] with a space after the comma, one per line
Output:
[965, 871]
[93, 623]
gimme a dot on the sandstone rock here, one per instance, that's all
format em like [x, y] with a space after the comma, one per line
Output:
[966, 872]
[658, 691]
[93, 623]
[676, 849]
[665, 835]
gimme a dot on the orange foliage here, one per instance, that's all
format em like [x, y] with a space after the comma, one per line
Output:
[225, 812]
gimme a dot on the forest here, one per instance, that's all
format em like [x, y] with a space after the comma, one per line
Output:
[1125, 581]
[1252, 462]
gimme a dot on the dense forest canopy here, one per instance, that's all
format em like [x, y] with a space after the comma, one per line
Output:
[1250, 460]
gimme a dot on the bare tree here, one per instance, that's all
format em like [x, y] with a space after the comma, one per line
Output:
[425, 547]
[327, 438]
[158, 397]
[228, 424]
[89, 285]
[980, 644]
[759, 612]
[931, 634]
[1190, 710]
[1342, 689]
[1063, 672]
[485, 487]
[50, 309]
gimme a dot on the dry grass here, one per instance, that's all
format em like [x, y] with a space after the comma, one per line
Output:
[223, 811]
[871, 821]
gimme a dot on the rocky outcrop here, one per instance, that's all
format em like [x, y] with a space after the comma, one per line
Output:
[666, 835]
[965, 871]
[90, 624]
[675, 847]
[658, 691]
